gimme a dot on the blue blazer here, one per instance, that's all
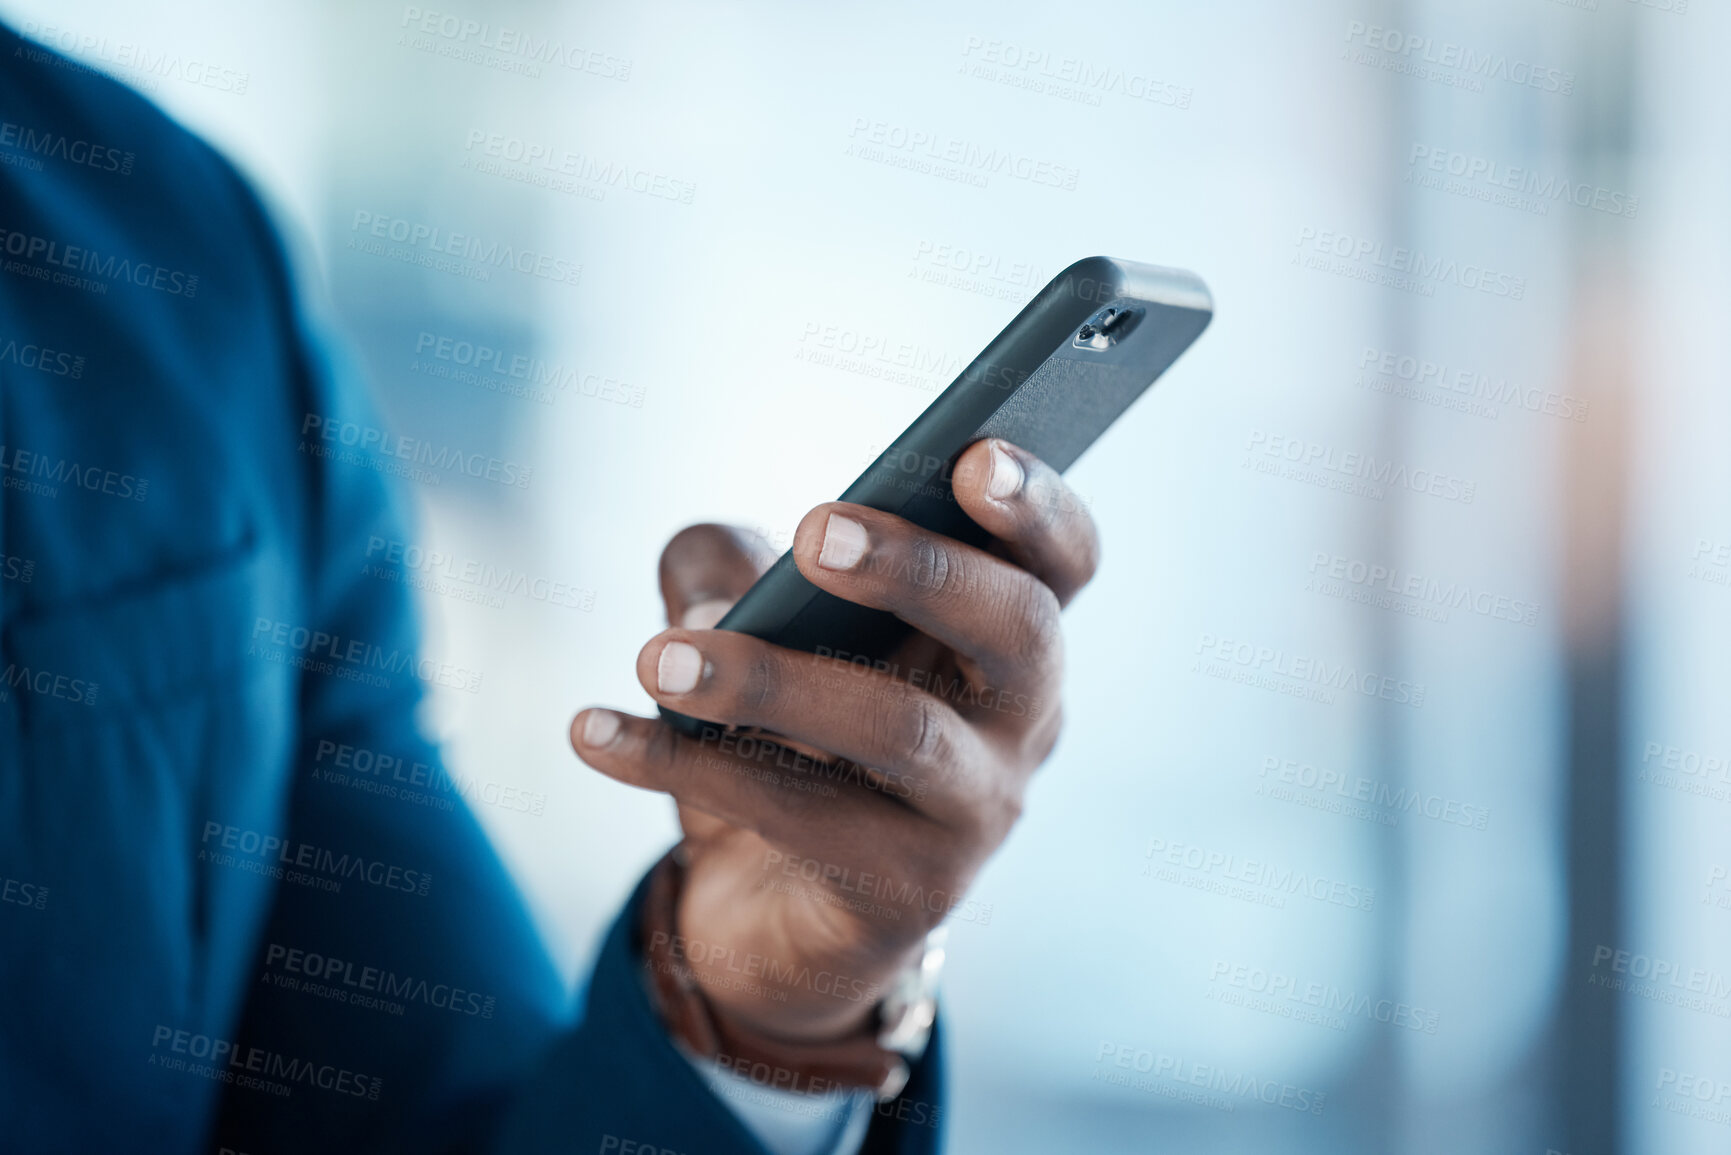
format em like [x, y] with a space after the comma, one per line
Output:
[217, 929]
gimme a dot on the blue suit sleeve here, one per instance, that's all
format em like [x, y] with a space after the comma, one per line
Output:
[431, 989]
[421, 976]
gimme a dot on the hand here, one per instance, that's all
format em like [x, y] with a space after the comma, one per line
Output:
[826, 848]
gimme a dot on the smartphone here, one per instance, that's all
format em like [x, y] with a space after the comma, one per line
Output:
[1083, 349]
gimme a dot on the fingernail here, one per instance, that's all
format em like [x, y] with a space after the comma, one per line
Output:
[1006, 476]
[704, 615]
[600, 727]
[844, 543]
[679, 668]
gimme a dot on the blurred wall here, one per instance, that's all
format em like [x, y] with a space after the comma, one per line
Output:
[766, 236]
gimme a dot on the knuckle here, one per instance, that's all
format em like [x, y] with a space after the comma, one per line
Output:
[923, 856]
[1002, 793]
[1087, 547]
[1067, 526]
[760, 690]
[934, 571]
[1038, 624]
[922, 736]
[1043, 738]
[994, 807]
[661, 752]
[1006, 811]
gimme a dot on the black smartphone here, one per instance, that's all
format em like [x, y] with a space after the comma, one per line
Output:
[1088, 345]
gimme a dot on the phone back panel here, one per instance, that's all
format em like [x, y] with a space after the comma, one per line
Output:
[1042, 384]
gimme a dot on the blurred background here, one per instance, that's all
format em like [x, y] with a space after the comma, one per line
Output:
[1484, 243]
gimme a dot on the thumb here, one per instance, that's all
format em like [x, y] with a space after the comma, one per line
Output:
[705, 569]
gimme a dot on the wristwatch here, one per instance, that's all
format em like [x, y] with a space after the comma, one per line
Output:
[877, 1056]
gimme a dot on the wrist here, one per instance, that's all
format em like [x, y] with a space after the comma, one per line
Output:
[864, 1038]
[780, 993]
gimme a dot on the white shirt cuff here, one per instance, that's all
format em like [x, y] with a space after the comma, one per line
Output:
[792, 1122]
